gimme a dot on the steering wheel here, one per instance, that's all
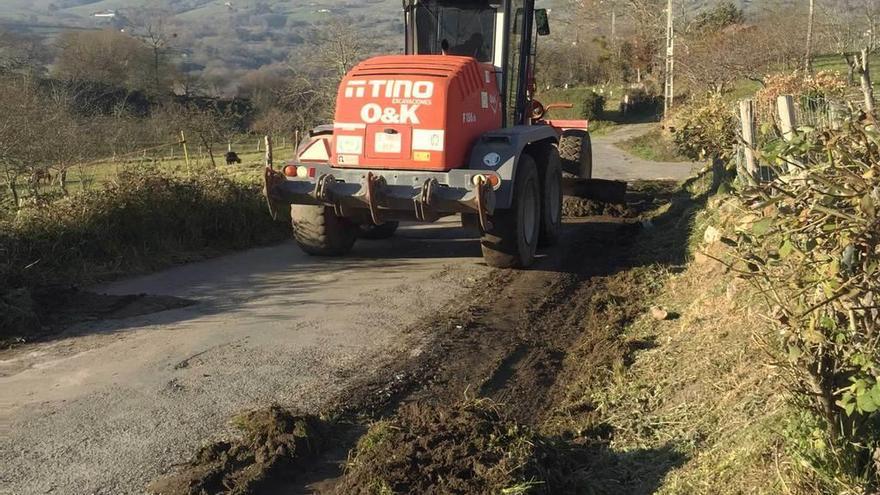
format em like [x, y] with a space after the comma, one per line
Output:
[538, 110]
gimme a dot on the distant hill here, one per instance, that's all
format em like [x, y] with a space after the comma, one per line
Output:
[223, 39]
[82, 12]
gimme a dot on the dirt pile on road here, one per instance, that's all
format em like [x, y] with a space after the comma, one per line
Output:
[637, 199]
[579, 207]
[275, 443]
[467, 448]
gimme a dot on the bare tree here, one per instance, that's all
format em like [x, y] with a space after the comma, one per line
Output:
[209, 122]
[861, 64]
[21, 53]
[152, 26]
[871, 13]
[107, 57]
[339, 47]
[841, 33]
[713, 60]
[29, 118]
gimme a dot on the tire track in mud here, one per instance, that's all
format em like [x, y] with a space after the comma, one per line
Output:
[507, 340]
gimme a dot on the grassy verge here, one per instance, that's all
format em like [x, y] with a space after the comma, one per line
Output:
[690, 403]
[653, 146]
[135, 223]
[699, 385]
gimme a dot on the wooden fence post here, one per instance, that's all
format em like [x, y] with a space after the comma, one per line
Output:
[787, 118]
[185, 151]
[747, 117]
[867, 88]
[836, 113]
[269, 151]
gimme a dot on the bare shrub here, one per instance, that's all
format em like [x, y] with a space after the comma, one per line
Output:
[810, 243]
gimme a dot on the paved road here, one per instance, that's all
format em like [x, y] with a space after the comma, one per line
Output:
[105, 407]
[610, 162]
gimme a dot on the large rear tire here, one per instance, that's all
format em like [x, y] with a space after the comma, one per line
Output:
[576, 152]
[513, 239]
[320, 232]
[551, 199]
[375, 232]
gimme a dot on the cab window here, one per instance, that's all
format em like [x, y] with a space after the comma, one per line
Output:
[456, 28]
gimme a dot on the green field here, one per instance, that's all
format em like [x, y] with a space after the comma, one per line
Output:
[169, 159]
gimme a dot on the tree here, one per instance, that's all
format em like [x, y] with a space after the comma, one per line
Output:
[152, 27]
[22, 53]
[107, 57]
[723, 15]
[847, 27]
[208, 121]
[307, 102]
[713, 60]
[339, 47]
[306, 95]
[643, 36]
[35, 117]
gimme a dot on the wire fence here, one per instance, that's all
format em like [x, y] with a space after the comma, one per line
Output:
[763, 122]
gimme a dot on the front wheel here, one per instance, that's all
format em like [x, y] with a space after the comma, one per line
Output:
[320, 232]
[513, 239]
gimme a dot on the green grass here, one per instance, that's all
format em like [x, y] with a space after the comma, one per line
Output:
[838, 64]
[746, 88]
[577, 95]
[167, 160]
[743, 88]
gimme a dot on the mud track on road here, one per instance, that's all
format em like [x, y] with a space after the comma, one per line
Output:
[516, 341]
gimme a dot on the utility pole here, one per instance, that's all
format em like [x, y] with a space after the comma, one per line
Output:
[808, 61]
[669, 94]
[613, 26]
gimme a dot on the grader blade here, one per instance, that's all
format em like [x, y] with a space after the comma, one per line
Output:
[600, 190]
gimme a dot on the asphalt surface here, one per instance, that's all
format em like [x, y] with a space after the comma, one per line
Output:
[107, 406]
[610, 162]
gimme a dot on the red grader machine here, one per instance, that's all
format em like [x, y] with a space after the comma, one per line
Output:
[451, 127]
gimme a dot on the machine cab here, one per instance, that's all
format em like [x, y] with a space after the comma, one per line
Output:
[500, 33]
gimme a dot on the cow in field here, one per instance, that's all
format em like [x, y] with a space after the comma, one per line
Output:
[232, 158]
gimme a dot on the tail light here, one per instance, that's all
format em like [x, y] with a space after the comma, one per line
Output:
[300, 172]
